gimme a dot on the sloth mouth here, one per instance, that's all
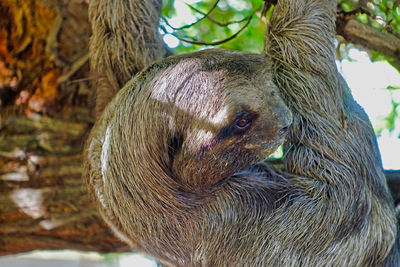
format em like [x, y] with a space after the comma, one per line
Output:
[274, 143]
[264, 146]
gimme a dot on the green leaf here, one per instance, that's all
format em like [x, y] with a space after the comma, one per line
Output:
[390, 119]
[347, 6]
[376, 56]
[363, 18]
[382, 6]
[168, 8]
[392, 88]
[396, 13]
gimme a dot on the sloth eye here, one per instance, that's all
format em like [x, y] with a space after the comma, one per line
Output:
[242, 123]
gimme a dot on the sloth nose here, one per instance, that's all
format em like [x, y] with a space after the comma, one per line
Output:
[283, 131]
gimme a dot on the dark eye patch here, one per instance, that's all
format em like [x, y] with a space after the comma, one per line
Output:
[242, 122]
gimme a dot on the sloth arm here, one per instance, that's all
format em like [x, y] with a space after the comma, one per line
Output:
[332, 155]
[331, 141]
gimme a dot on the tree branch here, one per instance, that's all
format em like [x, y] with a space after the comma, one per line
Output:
[44, 203]
[205, 15]
[369, 38]
[215, 21]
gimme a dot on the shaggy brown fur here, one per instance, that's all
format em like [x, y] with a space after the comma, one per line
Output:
[124, 41]
[333, 146]
[174, 174]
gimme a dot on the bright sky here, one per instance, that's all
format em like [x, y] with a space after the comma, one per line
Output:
[368, 81]
[136, 260]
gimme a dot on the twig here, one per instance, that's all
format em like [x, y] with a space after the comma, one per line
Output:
[74, 68]
[196, 42]
[370, 38]
[267, 5]
[51, 41]
[197, 21]
[215, 21]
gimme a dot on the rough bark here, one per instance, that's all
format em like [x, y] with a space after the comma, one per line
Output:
[45, 114]
[43, 202]
[44, 117]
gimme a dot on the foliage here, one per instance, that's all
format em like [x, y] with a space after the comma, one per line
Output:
[226, 19]
[393, 116]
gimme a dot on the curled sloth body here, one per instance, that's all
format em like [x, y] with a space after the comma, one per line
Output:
[172, 163]
[172, 160]
[169, 142]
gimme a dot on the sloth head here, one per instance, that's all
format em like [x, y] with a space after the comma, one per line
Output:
[193, 119]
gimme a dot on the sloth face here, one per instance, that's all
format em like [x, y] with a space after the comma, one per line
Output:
[248, 130]
[224, 114]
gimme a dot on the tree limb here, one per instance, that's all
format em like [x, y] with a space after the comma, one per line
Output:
[369, 38]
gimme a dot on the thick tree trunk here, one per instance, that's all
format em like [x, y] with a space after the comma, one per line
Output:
[44, 203]
[45, 115]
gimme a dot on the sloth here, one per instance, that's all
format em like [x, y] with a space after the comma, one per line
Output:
[172, 137]
[170, 140]
[173, 161]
